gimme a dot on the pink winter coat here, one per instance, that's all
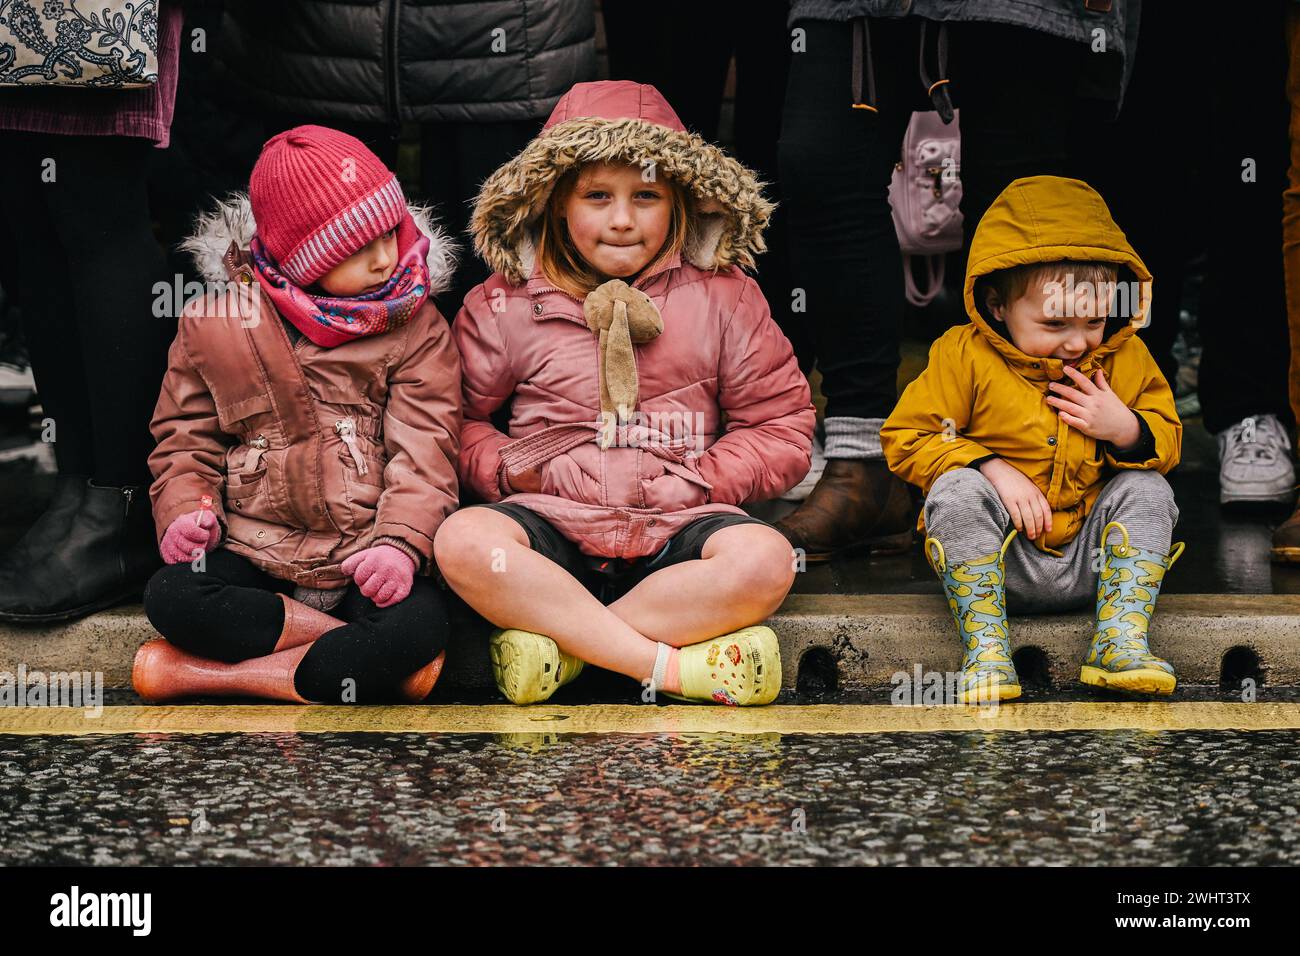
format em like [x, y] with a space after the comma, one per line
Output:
[724, 415]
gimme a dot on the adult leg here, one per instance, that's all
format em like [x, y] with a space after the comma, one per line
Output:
[1286, 539]
[762, 72]
[44, 284]
[455, 158]
[40, 284]
[836, 163]
[1242, 323]
[724, 575]
[99, 207]
[1158, 222]
[1011, 126]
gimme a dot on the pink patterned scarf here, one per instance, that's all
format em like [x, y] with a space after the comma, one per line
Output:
[330, 321]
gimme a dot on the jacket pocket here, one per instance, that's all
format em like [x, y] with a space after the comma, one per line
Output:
[244, 485]
[254, 533]
[240, 418]
[362, 456]
[363, 502]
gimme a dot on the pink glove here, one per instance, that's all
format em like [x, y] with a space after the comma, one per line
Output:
[196, 531]
[383, 573]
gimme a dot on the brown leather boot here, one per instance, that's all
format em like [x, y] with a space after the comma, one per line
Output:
[1286, 539]
[857, 505]
[162, 671]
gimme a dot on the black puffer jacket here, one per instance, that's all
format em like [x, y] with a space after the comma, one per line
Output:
[375, 61]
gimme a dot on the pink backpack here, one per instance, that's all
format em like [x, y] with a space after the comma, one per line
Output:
[925, 194]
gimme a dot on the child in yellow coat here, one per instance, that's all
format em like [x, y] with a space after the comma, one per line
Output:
[1048, 414]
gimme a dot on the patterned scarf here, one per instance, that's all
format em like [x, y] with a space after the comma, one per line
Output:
[329, 321]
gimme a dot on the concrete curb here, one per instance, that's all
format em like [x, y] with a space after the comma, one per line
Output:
[852, 641]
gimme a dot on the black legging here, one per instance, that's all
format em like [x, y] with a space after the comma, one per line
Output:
[230, 612]
[87, 266]
[1014, 88]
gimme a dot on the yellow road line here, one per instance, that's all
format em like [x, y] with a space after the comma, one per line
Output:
[633, 719]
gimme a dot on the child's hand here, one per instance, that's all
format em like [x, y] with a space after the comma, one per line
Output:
[1094, 409]
[529, 480]
[196, 531]
[383, 573]
[1028, 506]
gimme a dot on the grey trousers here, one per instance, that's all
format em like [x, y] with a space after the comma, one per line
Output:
[964, 513]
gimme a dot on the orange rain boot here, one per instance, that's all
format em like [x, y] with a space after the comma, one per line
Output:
[418, 686]
[163, 671]
[303, 624]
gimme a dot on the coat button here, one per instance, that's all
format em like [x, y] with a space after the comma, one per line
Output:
[650, 523]
[261, 534]
[1035, 365]
[245, 278]
[1052, 440]
[537, 308]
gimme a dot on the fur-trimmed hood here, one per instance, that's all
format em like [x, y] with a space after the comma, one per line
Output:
[621, 121]
[231, 220]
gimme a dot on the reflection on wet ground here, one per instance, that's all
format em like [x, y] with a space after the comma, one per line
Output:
[1114, 798]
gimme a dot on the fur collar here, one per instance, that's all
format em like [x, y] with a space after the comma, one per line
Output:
[729, 212]
[232, 221]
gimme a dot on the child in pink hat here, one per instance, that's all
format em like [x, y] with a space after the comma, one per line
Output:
[307, 432]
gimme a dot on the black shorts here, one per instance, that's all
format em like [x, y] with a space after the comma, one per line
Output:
[608, 579]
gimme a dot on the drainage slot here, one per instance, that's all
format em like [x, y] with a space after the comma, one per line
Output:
[818, 674]
[1239, 665]
[1031, 666]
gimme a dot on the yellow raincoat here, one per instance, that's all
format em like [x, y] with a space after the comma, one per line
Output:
[980, 395]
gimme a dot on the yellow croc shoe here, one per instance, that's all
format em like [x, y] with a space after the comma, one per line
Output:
[529, 667]
[737, 669]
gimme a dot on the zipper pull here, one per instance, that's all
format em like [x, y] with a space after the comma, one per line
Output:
[258, 445]
[347, 430]
[129, 495]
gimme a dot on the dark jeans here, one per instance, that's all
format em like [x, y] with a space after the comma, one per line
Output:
[689, 67]
[230, 612]
[87, 264]
[1242, 319]
[836, 163]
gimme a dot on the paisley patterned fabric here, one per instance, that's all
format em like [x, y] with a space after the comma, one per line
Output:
[112, 44]
[976, 591]
[1127, 588]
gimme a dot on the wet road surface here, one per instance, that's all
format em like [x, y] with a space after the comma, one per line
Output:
[974, 797]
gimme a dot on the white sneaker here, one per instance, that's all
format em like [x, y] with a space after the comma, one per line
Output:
[1255, 462]
[802, 490]
[16, 384]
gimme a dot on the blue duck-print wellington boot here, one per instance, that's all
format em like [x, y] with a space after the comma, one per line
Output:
[1127, 588]
[976, 591]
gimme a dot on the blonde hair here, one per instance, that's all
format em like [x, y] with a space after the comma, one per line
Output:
[1010, 284]
[560, 260]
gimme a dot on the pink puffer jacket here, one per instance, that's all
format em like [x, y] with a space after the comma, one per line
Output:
[724, 415]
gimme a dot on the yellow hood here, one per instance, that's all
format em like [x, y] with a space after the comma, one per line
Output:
[1047, 219]
[981, 397]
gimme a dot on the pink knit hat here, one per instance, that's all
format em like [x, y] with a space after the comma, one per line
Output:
[318, 196]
